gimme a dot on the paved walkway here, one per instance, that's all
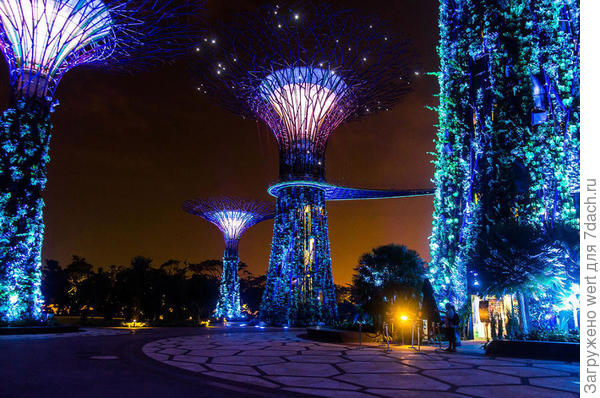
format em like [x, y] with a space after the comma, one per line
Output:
[285, 362]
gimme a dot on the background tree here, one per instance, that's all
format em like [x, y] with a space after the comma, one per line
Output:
[387, 277]
[173, 293]
[54, 285]
[347, 310]
[76, 273]
[251, 291]
[203, 288]
[209, 267]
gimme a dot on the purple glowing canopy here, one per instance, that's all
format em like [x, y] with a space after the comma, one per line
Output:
[304, 70]
[42, 39]
[232, 216]
[303, 104]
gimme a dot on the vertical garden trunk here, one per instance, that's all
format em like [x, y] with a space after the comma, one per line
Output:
[24, 145]
[228, 304]
[299, 288]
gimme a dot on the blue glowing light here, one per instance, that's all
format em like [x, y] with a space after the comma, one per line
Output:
[488, 174]
[338, 193]
[299, 274]
[24, 140]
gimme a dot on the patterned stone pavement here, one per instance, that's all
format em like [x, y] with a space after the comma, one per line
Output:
[285, 362]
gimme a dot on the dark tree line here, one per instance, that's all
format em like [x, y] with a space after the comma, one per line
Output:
[178, 292]
[174, 292]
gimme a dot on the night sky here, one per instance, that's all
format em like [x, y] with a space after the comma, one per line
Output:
[128, 150]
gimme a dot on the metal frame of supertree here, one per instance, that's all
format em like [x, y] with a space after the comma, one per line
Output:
[41, 40]
[340, 65]
[303, 71]
[233, 216]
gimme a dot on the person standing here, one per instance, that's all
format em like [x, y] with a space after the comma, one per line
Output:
[451, 322]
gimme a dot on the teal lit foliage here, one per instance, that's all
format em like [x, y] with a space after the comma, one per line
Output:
[299, 288]
[522, 258]
[228, 305]
[24, 146]
[507, 146]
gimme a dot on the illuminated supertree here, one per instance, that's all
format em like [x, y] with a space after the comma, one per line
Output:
[303, 72]
[233, 217]
[41, 40]
[507, 148]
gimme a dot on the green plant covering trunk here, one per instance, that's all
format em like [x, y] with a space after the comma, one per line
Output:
[228, 304]
[507, 145]
[299, 288]
[24, 146]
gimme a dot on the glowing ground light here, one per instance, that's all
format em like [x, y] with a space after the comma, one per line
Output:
[135, 324]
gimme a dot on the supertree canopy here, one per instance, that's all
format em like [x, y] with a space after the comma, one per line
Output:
[303, 105]
[45, 38]
[507, 148]
[41, 40]
[233, 217]
[303, 71]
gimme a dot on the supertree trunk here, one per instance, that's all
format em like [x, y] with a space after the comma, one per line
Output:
[24, 155]
[228, 305]
[508, 138]
[300, 287]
